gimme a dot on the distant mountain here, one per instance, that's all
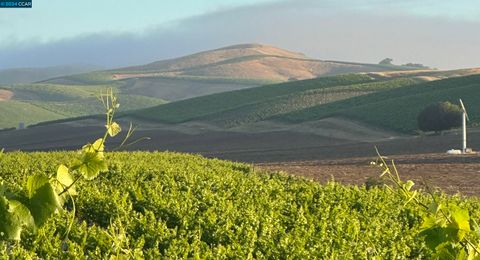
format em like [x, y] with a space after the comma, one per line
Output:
[238, 67]
[225, 69]
[248, 61]
[29, 75]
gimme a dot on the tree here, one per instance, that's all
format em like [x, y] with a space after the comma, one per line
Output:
[440, 116]
[386, 61]
[416, 65]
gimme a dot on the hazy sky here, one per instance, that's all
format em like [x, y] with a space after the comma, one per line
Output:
[115, 33]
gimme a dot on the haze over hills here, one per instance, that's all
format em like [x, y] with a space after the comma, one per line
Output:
[30, 75]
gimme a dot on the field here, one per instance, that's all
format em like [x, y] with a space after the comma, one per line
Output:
[398, 108]
[390, 103]
[286, 96]
[172, 205]
[34, 103]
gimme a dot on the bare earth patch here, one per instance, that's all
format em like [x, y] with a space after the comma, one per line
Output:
[5, 94]
[452, 174]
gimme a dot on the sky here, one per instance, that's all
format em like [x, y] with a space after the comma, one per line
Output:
[114, 33]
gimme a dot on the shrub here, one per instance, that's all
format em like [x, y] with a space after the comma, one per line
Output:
[440, 116]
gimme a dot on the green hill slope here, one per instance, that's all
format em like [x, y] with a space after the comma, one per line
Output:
[397, 108]
[34, 103]
[213, 71]
[170, 206]
[256, 104]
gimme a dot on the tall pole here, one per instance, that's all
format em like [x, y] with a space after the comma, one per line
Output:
[464, 128]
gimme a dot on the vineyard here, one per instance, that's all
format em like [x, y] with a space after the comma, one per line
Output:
[34, 103]
[177, 205]
[396, 108]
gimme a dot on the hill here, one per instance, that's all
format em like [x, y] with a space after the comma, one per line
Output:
[34, 103]
[231, 68]
[398, 108]
[248, 61]
[29, 75]
[375, 99]
[168, 205]
[225, 69]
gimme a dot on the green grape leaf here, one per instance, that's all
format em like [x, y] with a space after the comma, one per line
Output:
[43, 200]
[97, 147]
[113, 129]
[437, 236]
[461, 222]
[14, 218]
[91, 165]
[66, 179]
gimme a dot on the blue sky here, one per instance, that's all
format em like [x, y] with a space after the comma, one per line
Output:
[115, 33]
[50, 20]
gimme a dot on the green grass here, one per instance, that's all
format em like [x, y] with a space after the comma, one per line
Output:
[34, 103]
[194, 108]
[168, 205]
[14, 112]
[398, 108]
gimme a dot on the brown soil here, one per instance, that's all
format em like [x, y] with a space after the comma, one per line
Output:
[451, 173]
[303, 154]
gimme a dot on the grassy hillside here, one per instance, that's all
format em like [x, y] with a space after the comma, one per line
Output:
[255, 104]
[13, 112]
[34, 103]
[166, 205]
[225, 69]
[248, 61]
[397, 108]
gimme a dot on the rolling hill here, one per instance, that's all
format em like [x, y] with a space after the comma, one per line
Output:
[248, 61]
[225, 69]
[390, 101]
[397, 109]
[237, 67]
[33, 103]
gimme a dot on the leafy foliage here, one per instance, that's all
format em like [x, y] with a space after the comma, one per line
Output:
[170, 205]
[46, 195]
[440, 116]
[446, 227]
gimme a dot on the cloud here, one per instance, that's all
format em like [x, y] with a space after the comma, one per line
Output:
[320, 29]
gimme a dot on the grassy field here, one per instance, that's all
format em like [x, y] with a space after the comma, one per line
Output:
[398, 108]
[13, 112]
[34, 103]
[168, 205]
